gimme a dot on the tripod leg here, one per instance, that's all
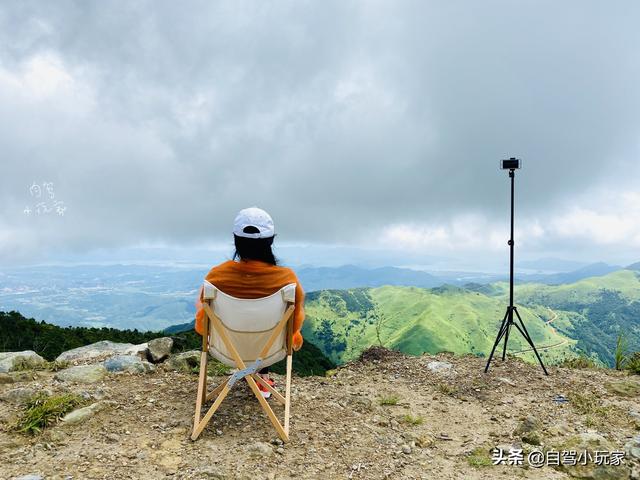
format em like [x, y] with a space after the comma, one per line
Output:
[501, 332]
[506, 337]
[527, 337]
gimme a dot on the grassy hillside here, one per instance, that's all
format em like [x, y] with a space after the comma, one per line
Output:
[583, 317]
[414, 320]
[596, 310]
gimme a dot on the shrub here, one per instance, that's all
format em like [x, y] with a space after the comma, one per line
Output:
[214, 368]
[620, 354]
[42, 411]
[633, 363]
[479, 457]
[447, 389]
[580, 362]
[411, 420]
[390, 400]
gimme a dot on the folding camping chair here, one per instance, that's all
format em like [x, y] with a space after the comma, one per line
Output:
[248, 334]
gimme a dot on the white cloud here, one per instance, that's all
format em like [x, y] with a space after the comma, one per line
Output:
[343, 119]
[605, 219]
[44, 81]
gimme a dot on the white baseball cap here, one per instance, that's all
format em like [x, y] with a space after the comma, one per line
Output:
[253, 217]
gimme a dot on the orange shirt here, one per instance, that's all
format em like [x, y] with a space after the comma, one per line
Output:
[254, 279]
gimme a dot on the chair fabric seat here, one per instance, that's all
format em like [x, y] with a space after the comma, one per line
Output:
[249, 323]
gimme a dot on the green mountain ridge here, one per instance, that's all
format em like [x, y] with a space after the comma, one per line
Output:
[581, 318]
[584, 317]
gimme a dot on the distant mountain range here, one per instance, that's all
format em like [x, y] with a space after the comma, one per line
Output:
[351, 276]
[157, 297]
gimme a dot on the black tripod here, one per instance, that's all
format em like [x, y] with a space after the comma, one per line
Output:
[508, 320]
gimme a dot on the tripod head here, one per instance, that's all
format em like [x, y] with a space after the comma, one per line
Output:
[511, 164]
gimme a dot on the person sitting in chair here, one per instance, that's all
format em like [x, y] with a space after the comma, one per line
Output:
[254, 273]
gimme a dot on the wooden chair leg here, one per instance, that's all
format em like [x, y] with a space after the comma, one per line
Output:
[216, 391]
[287, 393]
[267, 409]
[197, 429]
[202, 388]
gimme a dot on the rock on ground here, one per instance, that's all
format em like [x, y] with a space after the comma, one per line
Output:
[82, 414]
[261, 449]
[28, 359]
[19, 395]
[592, 442]
[100, 351]
[632, 448]
[342, 427]
[438, 367]
[160, 348]
[626, 387]
[128, 363]
[183, 362]
[82, 374]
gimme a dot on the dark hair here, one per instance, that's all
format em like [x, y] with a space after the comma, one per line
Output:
[254, 248]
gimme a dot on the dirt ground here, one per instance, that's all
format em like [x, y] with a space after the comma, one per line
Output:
[443, 424]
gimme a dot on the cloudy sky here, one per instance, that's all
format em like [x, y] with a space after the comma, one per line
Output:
[369, 125]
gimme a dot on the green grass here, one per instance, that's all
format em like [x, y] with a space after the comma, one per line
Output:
[564, 321]
[411, 420]
[620, 354]
[214, 368]
[42, 411]
[633, 363]
[479, 457]
[416, 320]
[579, 362]
[447, 389]
[389, 400]
[27, 366]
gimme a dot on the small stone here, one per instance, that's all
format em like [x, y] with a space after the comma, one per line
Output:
[439, 367]
[128, 363]
[160, 348]
[529, 424]
[506, 381]
[27, 359]
[183, 362]
[58, 436]
[82, 374]
[82, 414]
[632, 448]
[19, 395]
[211, 473]
[406, 449]
[591, 442]
[261, 449]
[99, 351]
[280, 450]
